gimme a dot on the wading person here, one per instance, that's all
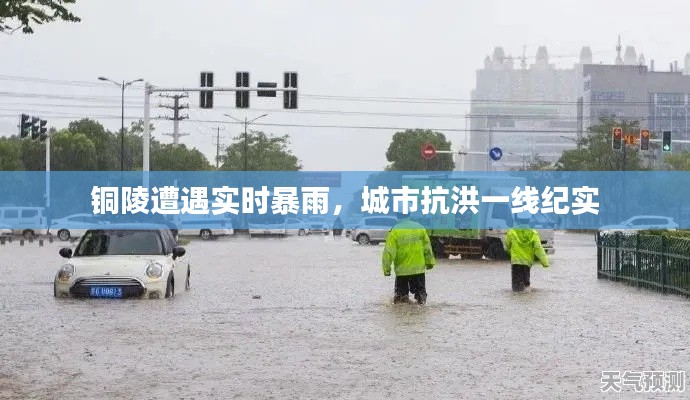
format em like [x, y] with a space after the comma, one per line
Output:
[523, 246]
[408, 249]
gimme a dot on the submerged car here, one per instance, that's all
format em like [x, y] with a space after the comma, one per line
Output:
[5, 230]
[318, 224]
[73, 226]
[372, 230]
[641, 222]
[124, 262]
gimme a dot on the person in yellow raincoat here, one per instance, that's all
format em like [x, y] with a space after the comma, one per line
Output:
[408, 249]
[523, 246]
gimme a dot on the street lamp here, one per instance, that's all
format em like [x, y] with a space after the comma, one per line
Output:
[122, 86]
[245, 122]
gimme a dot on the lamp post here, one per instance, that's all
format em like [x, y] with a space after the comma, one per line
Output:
[122, 86]
[245, 122]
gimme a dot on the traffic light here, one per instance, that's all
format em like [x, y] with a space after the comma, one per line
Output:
[666, 141]
[644, 139]
[34, 128]
[43, 129]
[617, 138]
[242, 96]
[290, 98]
[24, 126]
[206, 97]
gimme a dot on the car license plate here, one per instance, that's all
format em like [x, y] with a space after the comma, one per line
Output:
[106, 291]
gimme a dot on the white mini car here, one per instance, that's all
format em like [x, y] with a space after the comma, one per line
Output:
[124, 262]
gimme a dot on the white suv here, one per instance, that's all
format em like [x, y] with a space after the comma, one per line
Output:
[372, 230]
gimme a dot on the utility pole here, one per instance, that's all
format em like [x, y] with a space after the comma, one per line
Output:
[176, 118]
[218, 148]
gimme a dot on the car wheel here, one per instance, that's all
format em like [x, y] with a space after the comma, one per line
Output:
[28, 234]
[205, 234]
[187, 285]
[301, 232]
[363, 238]
[63, 234]
[170, 287]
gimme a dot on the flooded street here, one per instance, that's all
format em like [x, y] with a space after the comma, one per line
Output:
[310, 318]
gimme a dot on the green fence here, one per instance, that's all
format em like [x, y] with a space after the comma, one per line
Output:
[651, 261]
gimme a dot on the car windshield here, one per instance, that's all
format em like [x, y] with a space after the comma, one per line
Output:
[120, 242]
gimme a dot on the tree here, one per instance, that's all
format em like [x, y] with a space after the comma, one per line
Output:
[107, 144]
[678, 162]
[73, 151]
[404, 152]
[264, 153]
[170, 157]
[10, 154]
[537, 163]
[595, 151]
[20, 14]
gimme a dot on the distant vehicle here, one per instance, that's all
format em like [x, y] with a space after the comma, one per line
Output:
[206, 226]
[268, 224]
[26, 221]
[641, 222]
[5, 230]
[318, 224]
[372, 230]
[485, 235]
[121, 261]
[73, 226]
[296, 226]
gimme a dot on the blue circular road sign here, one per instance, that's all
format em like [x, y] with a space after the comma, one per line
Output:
[495, 154]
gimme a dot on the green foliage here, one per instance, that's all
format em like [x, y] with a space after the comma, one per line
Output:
[168, 157]
[685, 234]
[678, 161]
[595, 151]
[73, 151]
[404, 152]
[264, 153]
[10, 149]
[537, 164]
[21, 14]
[87, 146]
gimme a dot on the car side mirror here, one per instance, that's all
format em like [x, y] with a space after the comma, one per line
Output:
[66, 252]
[178, 251]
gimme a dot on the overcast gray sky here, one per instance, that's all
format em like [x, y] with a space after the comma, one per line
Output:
[356, 48]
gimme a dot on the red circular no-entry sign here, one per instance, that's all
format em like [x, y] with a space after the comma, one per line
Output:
[428, 151]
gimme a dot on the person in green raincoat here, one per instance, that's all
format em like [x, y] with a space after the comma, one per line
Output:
[523, 246]
[408, 250]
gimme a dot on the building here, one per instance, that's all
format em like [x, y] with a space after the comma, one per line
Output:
[538, 112]
[528, 112]
[659, 100]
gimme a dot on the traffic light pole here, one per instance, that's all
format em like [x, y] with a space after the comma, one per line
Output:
[149, 89]
[48, 171]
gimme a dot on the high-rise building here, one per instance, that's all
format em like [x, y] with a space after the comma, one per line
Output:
[539, 111]
[525, 111]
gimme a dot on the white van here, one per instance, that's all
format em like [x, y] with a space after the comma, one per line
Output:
[267, 225]
[205, 226]
[26, 221]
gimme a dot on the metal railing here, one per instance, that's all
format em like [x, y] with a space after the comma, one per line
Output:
[655, 262]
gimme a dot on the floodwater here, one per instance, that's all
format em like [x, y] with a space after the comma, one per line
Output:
[311, 318]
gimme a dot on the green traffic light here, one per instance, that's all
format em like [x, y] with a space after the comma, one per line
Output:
[667, 147]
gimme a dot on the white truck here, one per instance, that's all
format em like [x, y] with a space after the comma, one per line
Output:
[483, 234]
